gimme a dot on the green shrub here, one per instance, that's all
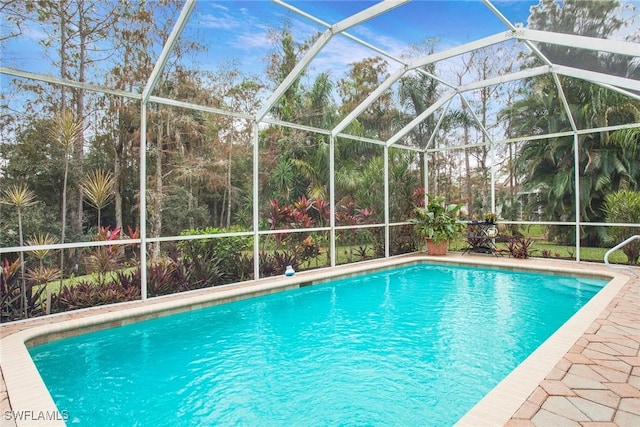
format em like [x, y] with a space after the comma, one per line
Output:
[520, 247]
[88, 294]
[10, 292]
[624, 207]
[223, 253]
[12, 305]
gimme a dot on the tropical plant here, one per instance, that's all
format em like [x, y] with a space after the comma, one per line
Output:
[16, 304]
[88, 294]
[67, 131]
[225, 251]
[11, 299]
[520, 247]
[21, 197]
[348, 214]
[438, 221]
[624, 207]
[98, 189]
[275, 263]
[490, 217]
[104, 259]
[606, 162]
[42, 274]
[41, 240]
[38, 278]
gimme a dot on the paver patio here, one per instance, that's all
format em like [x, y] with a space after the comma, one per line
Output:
[597, 383]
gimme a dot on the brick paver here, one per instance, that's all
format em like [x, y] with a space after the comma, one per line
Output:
[598, 382]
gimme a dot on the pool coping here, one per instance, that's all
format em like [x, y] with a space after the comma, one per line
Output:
[29, 396]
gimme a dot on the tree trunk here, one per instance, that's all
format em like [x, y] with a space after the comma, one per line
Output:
[229, 189]
[117, 190]
[155, 214]
[467, 170]
[78, 154]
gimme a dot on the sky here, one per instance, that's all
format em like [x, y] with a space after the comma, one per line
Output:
[237, 31]
[240, 27]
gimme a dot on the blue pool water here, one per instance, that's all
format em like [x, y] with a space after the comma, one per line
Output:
[417, 345]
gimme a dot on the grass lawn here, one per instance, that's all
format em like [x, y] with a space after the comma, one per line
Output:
[541, 247]
[55, 286]
[586, 254]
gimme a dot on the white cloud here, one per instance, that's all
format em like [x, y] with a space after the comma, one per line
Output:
[218, 22]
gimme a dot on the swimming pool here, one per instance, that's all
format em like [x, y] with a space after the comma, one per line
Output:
[402, 346]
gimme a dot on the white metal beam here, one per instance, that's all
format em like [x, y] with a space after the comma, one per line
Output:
[360, 138]
[332, 199]
[459, 50]
[295, 73]
[590, 43]
[324, 38]
[255, 214]
[512, 27]
[426, 113]
[592, 76]
[577, 192]
[565, 103]
[367, 101]
[142, 200]
[344, 33]
[435, 130]
[386, 201]
[62, 82]
[188, 7]
[523, 74]
[197, 107]
[565, 133]
[635, 96]
[368, 13]
[477, 119]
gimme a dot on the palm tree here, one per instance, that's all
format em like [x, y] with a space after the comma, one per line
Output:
[607, 160]
[21, 197]
[98, 189]
[42, 275]
[67, 130]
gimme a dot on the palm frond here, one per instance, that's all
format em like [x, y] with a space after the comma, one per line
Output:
[67, 129]
[41, 240]
[98, 188]
[19, 196]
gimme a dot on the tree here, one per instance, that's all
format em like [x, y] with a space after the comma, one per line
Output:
[77, 28]
[66, 132]
[362, 79]
[97, 188]
[624, 207]
[280, 62]
[547, 166]
[21, 197]
[599, 19]
[417, 92]
[134, 40]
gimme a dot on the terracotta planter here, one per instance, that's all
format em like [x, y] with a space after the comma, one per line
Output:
[437, 248]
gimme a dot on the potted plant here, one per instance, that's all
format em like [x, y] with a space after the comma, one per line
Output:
[490, 217]
[438, 224]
